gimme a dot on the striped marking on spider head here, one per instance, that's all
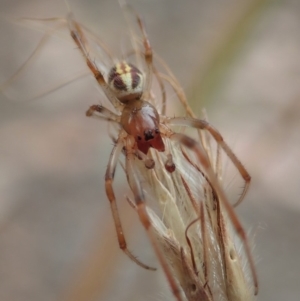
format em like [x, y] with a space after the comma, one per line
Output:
[126, 81]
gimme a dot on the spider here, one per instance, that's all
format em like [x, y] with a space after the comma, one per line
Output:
[143, 128]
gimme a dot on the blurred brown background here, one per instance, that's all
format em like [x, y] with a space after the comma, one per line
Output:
[238, 59]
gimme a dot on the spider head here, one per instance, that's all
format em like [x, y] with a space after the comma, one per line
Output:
[126, 81]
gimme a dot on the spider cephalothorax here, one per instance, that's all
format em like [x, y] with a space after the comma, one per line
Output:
[141, 120]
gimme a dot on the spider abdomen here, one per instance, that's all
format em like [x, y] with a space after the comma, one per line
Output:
[126, 81]
[141, 120]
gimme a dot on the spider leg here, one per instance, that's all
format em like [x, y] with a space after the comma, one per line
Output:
[148, 53]
[108, 114]
[162, 89]
[80, 40]
[204, 125]
[109, 176]
[32, 56]
[136, 188]
[202, 157]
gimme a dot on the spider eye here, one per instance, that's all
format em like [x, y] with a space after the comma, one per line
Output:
[126, 81]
